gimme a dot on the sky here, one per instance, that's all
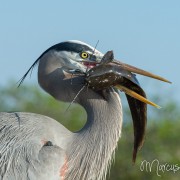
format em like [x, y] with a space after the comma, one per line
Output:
[142, 33]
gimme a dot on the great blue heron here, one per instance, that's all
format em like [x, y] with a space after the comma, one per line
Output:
[34, 146]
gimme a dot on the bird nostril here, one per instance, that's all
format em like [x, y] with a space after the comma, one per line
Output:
[92, 58]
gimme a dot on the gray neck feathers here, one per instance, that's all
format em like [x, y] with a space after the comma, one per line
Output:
[92, 149]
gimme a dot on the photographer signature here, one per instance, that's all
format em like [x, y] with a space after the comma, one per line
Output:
[147, 166]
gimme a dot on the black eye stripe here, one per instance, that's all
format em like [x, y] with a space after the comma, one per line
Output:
[69, 46]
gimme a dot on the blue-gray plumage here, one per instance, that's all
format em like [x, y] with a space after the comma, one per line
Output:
[24, 153]
[34, 146]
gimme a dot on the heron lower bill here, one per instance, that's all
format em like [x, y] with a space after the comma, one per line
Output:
[136, 96]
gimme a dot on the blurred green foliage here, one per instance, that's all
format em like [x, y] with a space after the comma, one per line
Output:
[162, 137]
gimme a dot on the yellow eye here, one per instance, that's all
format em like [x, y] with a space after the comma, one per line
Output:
[84, 55]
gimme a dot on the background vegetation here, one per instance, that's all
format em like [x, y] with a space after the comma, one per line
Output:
[162, 137]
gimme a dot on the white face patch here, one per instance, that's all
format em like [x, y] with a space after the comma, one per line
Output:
[76, 60]
[72, 60]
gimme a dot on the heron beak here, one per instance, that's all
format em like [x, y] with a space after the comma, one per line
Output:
[132, 78]
[136, 70]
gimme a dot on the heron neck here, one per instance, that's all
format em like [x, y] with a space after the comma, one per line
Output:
[103, 115]
[94, 145]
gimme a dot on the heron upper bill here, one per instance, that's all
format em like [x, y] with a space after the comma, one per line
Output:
[136, 70]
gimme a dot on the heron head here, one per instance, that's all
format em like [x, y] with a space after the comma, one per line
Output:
[74, 56]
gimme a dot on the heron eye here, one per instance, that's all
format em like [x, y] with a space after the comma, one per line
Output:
[84, 55]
